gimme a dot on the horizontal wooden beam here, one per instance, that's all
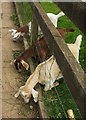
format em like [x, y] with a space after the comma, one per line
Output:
[71, 70]
[76, 11]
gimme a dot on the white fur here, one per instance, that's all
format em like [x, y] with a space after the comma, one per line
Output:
[13, 31]
[76, 47]
[17, 35]
[54, 18]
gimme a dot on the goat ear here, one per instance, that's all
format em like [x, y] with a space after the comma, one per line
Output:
[26, 65]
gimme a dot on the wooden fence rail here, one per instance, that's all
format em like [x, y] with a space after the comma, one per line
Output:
[71, 70]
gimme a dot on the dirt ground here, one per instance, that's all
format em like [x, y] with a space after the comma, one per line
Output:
[11, 79]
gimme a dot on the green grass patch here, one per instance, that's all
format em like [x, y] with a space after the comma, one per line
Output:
[60, 99]
[50, 7]
[25, 12]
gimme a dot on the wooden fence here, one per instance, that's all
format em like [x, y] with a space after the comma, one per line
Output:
[71, 70]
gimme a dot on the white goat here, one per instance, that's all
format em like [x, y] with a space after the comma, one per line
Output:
[54, 19]
[76, 47]
[46, 73]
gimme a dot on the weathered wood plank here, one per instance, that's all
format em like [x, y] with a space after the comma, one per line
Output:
[72, 71]
[76, 11]
[34, 28]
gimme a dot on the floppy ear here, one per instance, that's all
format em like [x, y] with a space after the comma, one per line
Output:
[26, 65]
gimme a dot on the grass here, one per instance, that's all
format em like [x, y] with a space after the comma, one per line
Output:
[59, 99]
[15, 19]
[26, 12]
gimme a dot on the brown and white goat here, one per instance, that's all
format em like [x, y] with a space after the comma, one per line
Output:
[38, 48]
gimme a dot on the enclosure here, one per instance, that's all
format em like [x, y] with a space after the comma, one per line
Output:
[70, 94]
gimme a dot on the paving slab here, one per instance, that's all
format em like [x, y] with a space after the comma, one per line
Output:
[11, 79]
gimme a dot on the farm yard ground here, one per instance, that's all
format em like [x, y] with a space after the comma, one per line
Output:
[16, 108]
[11, 80]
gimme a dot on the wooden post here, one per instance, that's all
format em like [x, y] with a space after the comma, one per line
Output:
[34, 28]
[34, 35]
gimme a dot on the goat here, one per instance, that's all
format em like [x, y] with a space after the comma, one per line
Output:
[45, 73]
[38, 48]
[27, 28]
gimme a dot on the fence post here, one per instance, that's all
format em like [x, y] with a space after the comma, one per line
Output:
[34, 28]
